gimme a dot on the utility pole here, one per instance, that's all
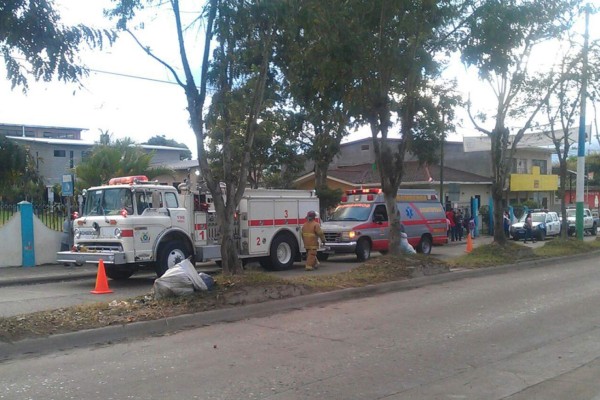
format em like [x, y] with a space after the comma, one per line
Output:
[581, 141]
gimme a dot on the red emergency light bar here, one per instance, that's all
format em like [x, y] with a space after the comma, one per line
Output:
[363, 191]
[123, 180]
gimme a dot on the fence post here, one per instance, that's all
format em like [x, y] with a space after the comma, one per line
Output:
[27, 240]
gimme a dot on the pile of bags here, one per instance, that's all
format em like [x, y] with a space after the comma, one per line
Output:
[182, 280]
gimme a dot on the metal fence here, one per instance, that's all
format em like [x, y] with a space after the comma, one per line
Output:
[51, 215]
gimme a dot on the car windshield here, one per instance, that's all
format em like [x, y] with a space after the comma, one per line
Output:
[352, 212]
[535, 217]
[571, 213]
[108, 201]
[540, 217]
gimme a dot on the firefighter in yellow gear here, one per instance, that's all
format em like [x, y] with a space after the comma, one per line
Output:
[311, 233]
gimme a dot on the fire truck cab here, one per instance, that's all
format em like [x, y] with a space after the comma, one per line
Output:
[360, 222]
[133, 223]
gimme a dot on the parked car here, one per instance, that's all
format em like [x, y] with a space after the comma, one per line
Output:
[545, 223]
[589, 224]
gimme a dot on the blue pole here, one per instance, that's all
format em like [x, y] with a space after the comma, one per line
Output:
[27, 240]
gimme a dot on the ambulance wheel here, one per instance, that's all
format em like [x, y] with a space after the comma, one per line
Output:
[171, 253]
[424, 245]
[363, 250]
[282, 254]
[118, 274]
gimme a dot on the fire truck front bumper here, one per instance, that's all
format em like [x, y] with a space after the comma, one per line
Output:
[75, 257]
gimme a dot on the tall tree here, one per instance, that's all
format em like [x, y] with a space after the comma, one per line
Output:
[501, 36]
[563, 105]
[34, 42]
[275, 153]
[19, 176]
[316, 54]
[398, 43]
[243, 32]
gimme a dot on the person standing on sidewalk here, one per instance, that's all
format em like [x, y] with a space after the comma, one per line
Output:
[452, 230]
[528, 228]
[311, 233]
[458, 224]
[506, 224]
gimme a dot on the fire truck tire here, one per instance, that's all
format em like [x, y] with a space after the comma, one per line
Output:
[282, 254]
[363, 250]
[118, 274]
[171, 253]
[424, 245]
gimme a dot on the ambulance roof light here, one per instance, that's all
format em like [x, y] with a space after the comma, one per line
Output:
[363, 191]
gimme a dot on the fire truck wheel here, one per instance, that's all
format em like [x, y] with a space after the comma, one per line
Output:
[118, 274]
[424, 245]
[172, 253]
[363, 250]
[283, 252]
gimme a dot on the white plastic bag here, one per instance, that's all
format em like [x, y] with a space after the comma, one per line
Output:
[405, 246]
[179, 280]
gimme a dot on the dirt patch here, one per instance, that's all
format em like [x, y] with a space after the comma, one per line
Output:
[229, 291]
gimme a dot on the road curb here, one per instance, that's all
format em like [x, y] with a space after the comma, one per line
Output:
[122, 333]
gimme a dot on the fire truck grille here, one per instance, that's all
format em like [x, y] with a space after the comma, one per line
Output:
[332, 237]
[101, 246]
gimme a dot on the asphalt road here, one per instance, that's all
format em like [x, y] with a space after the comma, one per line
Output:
[529, 334]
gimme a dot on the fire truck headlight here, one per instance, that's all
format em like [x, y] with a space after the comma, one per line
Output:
[118, 233]
[349, 235]
[77, 233]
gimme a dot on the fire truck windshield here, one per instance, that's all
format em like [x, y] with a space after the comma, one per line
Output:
[108, 201]
[352, 212]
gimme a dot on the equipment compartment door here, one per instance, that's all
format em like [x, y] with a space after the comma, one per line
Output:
[260, 223]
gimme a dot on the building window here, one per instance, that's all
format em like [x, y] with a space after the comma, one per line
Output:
[364, 147]
[519, 166]
[543, 164]
[85, 154]
[71, 161]
[60, 153]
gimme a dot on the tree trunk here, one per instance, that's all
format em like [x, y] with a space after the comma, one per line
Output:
[564, 226]
[499, 138]
[395, 223]
[230, 262]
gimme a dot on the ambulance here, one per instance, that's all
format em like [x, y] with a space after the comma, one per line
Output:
[359, 224]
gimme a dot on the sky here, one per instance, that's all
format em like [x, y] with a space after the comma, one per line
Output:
[131, 95]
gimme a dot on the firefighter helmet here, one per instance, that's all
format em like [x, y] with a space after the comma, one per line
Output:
[311, 215]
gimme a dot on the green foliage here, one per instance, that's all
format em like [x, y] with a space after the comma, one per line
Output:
[161, 140]
[316, 56]
[34, 42]
[328, 198]
[499, 30]
[121, 158]
[19, 178]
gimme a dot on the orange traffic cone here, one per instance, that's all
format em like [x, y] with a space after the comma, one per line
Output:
[101, 281]
[469, 243]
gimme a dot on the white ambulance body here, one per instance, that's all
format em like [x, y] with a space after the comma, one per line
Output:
[360, 222]
[132, 223]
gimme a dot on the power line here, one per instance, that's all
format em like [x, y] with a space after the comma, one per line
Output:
[132, 76]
